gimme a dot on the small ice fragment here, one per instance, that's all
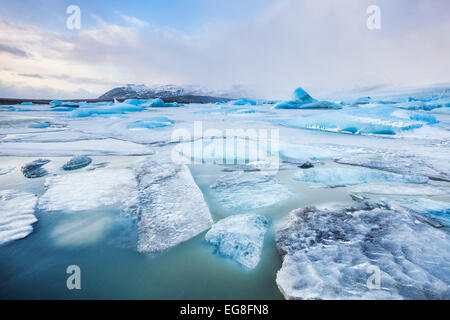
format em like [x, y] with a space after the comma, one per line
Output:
[34, 169]
[77, 162]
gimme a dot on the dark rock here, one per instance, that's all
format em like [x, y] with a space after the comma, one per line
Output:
[306, 165]
[77, 162]
[34, 169]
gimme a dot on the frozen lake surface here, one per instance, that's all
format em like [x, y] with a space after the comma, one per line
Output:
[149, 206]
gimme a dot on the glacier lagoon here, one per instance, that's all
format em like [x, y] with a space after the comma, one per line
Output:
[108, 230]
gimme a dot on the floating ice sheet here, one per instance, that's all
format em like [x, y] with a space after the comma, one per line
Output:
[331, 253]
[437, 210]
[383, 120]
[240, 238]
[89, 190]
[245, 191]
[337, 176]
[16, 215]
[171, 207]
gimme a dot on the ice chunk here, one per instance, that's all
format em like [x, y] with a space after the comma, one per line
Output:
[336, 176]
[437, 210]
[119, 108]
[434, 168]
[301, 95]
[16, 215]
[171, 207]
[88, 190]
[151, 123]
[331, 253]
[34, 169]
[245, 191]
[151, 103]
[239, 237]
[374, 120]
[77, 162]
[243, 102]
[6, 170]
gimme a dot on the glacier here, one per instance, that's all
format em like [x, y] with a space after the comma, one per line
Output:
[240, 238]
[245, 191]
[330, 254]
[170, 207]
[87, 190]
[383, 120]
[337, 177]
[16, 215]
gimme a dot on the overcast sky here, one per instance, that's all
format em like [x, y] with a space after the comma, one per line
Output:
[269, 47]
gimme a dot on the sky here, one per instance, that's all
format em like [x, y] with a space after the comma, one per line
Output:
[267, 47]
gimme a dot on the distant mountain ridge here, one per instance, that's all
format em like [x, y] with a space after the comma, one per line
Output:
[141, 91]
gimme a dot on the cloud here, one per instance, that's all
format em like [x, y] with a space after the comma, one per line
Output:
[13, 50]
[323, 46]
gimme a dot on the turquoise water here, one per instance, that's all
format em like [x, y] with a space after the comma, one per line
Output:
[103, 244]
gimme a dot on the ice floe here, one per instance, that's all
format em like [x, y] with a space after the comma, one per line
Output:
[240, 238]
[436, 167]
[245, 191]
[88, 190]
[151, 123]
[337, 176]
[16, 215]
[171, 208]
[384, 120]
[402, 189]
[437, 210]
[4, 171]
[335, 254]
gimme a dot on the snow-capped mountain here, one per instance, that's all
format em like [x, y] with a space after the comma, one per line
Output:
[142, 91]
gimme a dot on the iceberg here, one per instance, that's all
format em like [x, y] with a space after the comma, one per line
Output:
[77, 162]
[34, 169]
[170, 207]
[119, 108]
[337, 177]
[437, 210]
[240, 238]
[245, 191]
[302, 100]
[334, 253]
[151, 123]
[87, 190]
[383, 120]
[151, 103]
[16, 215]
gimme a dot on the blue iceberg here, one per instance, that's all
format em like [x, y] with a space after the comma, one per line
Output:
[245, 102]
[239, 237]
[383, 120]
[109, 110]
[302, 100]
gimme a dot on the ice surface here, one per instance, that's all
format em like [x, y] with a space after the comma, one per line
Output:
[298, 151]
[16, 215]
[331, 253]
[67, 149]
[245, 191]
[6, 170]
[231, 111]
[151, 123]
[384, 120]
[77, 162]
[434, 168]
[437, 210]
[402, 189]
[336, 176]
[88, 190]
[34, 169]
[240, 238]
[171, 207]
[226, 150]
